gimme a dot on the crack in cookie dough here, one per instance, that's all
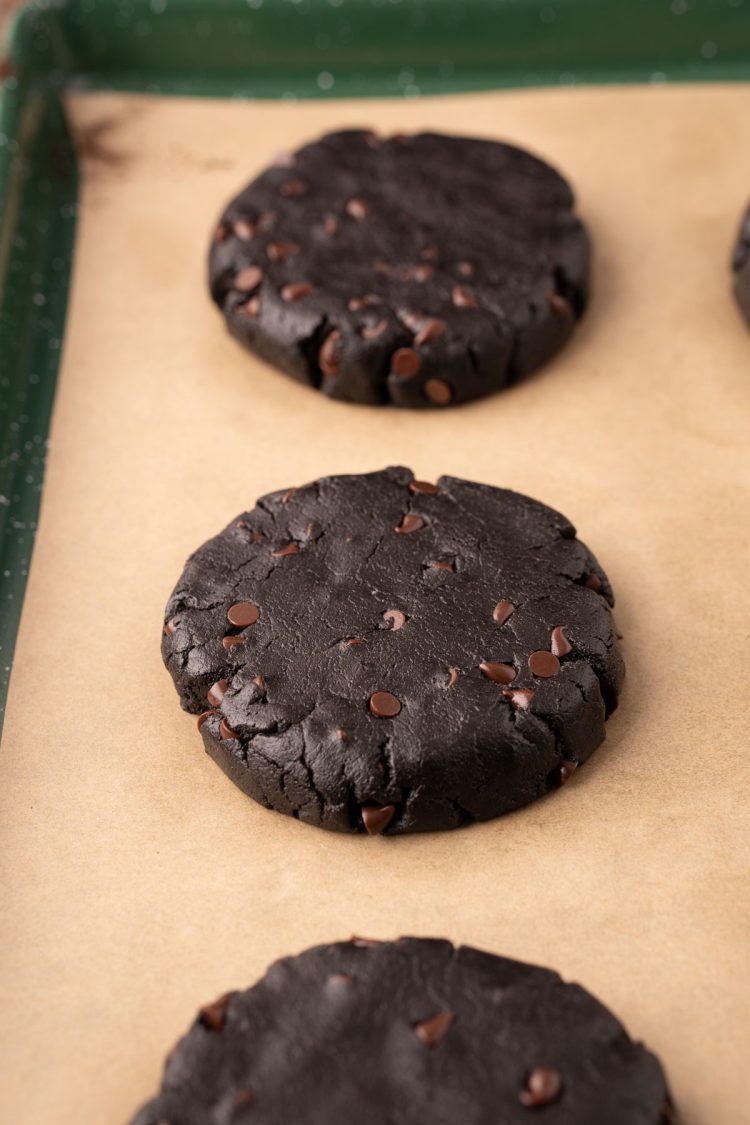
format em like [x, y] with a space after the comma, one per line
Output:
[423, 271]
[411, 1031]
[460, 699]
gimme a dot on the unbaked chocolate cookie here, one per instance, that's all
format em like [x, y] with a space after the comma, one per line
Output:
[377, 653]
[421, 271]
[408, 1032]
[741, 267]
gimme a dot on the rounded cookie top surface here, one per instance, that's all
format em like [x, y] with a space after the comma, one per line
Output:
[422, 271]
[377, 653]
[409, 1031]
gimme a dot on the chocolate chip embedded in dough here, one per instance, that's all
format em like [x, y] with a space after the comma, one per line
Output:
[384, 705]
[376, 818]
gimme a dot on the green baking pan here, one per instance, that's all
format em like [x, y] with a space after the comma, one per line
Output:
[263, 49]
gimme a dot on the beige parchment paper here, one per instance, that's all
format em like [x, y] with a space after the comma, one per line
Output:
[139, 882]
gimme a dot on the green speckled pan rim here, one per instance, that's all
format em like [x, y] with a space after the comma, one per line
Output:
[263, 49]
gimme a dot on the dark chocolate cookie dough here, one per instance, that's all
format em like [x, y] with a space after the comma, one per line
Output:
[406, 1033]
[741, 267]
[422, 271]
[383, 654]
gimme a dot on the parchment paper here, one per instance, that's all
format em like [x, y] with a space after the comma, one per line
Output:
[139, 882]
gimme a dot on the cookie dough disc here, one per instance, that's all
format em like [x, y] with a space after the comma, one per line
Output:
[375, 653]
[421, 271]
[411, 1031]
[741, 268]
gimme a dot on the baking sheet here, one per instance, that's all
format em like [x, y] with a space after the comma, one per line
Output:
[138, 882]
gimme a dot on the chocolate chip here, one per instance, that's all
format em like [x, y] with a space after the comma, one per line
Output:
[225, 731]
[290, 492]
[243, 230]
[452, 676]
[397, 618]
[364, 942]
[431, 330]
[357, 208]
[567, 768]
[593, 582]
[498, 673]
[293, 189]
[202, 718]
[266, 220]
[328, 358]
[220, 233]
[284, 552]
[330, 225]
[559, 306]
[248, 279]
[357, 303]
[354, 641]
[217, 692]
[412, 320]
[559, 643]
[422, 486]
[418, 273]
[502, 612]
[520, 698]
[462, 298]
[214, 1016]
[232, 640]
[409, 523]
[376, 818]
[466, 269]
[544, 664]
[259, 682]
[431, 1031]
[337, 979]
[243, 1097]
[438, 391]
[170, 627]
[384, 705]
[295, 290]
[278, 251]
[341, 734]
[242, 614]
[441, 566]
[405, 362]
[543, 1085]
[372, 331]
[250, 308]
